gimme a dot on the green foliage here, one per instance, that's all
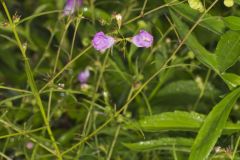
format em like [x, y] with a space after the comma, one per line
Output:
[200, 52]
[232, 22]
[176, 144]
[213, 126]
[176, 121]
[227, 50]
[177, 99]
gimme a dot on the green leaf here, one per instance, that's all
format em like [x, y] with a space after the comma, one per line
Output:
[228, 50]
[231, 79]
[232, 22]
[67, 136]
[177, 144]
[237, 1]
[200, 52]
[212, 23]
[178, 121]
[185, 88]
[213, 126]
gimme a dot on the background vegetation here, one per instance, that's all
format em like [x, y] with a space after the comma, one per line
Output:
[176, 100]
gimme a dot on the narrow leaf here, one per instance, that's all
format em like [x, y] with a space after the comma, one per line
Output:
[177, 121]
[212, 127]
[232, 80]
[178, 144]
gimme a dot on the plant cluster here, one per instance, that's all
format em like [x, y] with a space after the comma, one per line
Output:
[119, 79]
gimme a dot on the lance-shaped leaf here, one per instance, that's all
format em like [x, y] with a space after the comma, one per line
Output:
[177, 144]
[213, 126]
[176, 121]
[231, 79]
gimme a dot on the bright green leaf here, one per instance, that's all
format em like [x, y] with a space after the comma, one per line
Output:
[231, 79]
[177, 144]
[213, 126]
[232, 22]
[178, 121]
[228, 50]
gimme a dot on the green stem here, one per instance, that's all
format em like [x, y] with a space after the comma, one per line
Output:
[235, 148]
[121, 109]
[118, 129]
[31, 80]
[74, 35]
[87, 123]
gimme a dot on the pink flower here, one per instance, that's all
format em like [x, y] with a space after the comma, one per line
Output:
[143, 39]
[101, 42]
[29, 145]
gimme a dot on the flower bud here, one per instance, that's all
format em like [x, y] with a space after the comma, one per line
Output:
[71, 6]
[197, 5]
[228, 3]
[119, 20]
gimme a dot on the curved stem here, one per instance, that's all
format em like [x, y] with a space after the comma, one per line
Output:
[31, 80]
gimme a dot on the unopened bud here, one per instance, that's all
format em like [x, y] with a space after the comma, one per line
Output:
[119, 20]
[197, 5]
[228, 3]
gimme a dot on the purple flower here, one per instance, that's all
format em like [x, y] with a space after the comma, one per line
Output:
[83, 76]
[143, 39]
[101, 42]
[71, 6]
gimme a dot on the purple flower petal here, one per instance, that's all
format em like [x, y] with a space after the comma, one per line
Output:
[101, 42]
[71, 6]
[143, 39]
[84, 76]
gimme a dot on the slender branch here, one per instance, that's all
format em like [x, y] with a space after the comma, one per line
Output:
[31, 80]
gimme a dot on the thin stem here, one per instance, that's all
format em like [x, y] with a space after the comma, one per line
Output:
[11, 126]
[182, 42]
[202, 90]
[74, 35]
[15, 89]
[92, 10]
[153, 10]
[121, 109]
[113, 142]
[94, 98]
[235, 148]
[55, 67]
[31, 80]
[64, 68]
[118, 129]
[60, 45]
[147, 104]
[144, 6]
[45, 53]
[5, 156]
[22, 133]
